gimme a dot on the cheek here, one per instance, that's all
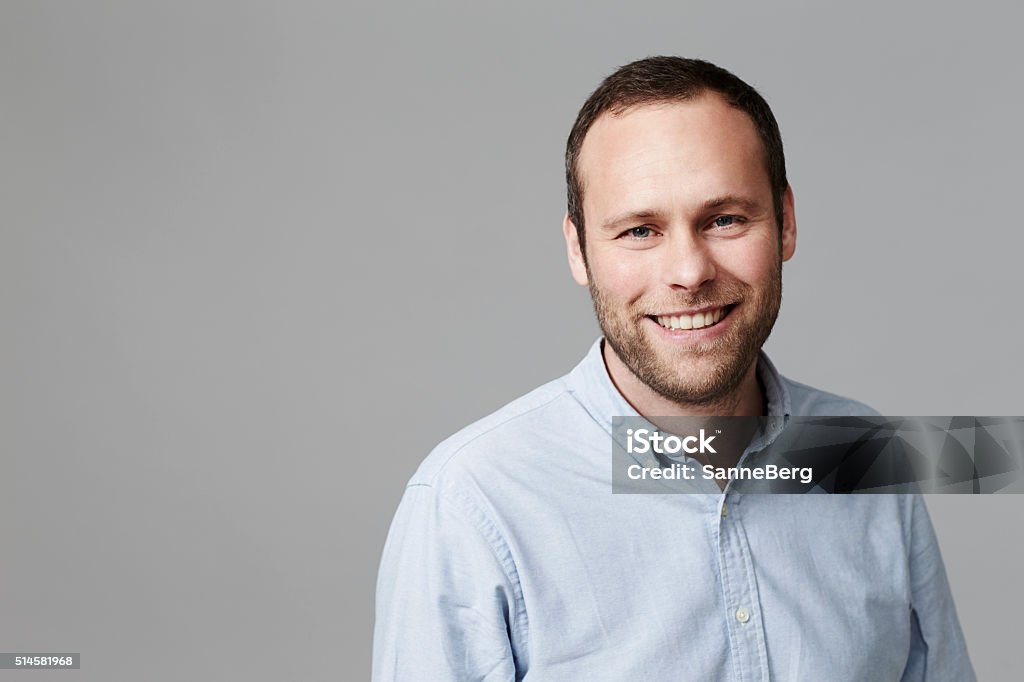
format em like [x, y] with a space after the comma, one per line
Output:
[621, 276]
[753, 262]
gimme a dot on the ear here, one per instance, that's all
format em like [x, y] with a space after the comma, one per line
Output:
[572, 245]
[788, 225]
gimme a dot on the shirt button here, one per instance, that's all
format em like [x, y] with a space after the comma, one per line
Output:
[742, 615]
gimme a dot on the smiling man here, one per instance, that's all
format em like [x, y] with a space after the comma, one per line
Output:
[684, 259]
[510, 558]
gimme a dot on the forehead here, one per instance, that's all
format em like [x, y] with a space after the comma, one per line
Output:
[694, 147]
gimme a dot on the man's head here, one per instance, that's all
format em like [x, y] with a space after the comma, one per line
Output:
[679, 219]
[671, 79]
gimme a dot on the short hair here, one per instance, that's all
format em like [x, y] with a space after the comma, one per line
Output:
[672, 79]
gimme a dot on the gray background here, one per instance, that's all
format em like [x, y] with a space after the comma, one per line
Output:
[257, 259]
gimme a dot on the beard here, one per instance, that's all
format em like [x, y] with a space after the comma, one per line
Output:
[701, 373]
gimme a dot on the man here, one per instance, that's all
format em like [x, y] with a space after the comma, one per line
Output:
[509, 556]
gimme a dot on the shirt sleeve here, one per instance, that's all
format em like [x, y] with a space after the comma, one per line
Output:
[446, 604]
[937, 648]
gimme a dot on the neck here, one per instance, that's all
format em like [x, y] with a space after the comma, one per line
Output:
[747, 400]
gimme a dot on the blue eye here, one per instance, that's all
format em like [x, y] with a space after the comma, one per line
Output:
[725, 221]
[641, 232]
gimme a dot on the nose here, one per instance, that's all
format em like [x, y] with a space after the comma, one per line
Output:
[687, 263]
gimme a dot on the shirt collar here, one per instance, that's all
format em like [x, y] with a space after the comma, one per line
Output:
[592, 386]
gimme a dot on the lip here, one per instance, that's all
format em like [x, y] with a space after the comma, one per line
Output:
[694, 311]
[695, 335]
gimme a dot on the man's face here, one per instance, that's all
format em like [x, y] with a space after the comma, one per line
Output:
[683, 254]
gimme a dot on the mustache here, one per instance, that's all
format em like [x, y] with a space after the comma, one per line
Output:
[719, 297]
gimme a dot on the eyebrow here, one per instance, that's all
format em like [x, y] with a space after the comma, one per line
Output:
[629, 217]
[743, 203]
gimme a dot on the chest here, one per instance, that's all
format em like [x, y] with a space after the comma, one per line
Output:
[645, 586]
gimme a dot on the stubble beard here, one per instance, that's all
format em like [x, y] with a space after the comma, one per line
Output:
[729, 356]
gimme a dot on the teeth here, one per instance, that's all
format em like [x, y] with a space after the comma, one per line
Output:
[696, 321]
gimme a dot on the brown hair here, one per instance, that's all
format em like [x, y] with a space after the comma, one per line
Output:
[667, 79]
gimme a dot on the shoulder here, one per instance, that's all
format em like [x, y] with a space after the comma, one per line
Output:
[513, 431]
[807, 401]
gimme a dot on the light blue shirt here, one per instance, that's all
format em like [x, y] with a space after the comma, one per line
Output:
[509, 558]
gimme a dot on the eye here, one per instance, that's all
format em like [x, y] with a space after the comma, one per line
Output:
[728, 224]
[642, 232]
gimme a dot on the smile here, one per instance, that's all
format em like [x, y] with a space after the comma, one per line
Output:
[705, 318]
